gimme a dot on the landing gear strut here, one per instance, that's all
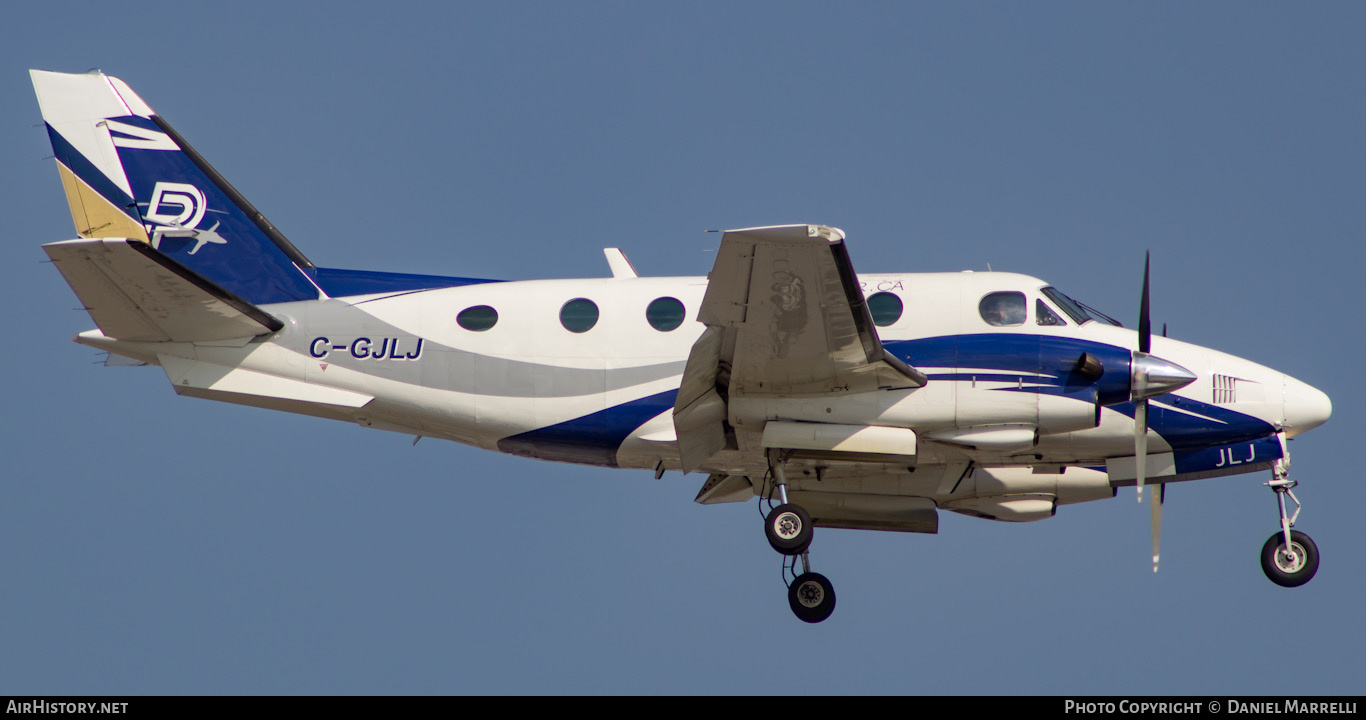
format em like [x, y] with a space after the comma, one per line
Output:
[789, 530]
[1289, 558]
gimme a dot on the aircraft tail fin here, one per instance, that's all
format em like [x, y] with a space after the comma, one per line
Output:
[128, 174]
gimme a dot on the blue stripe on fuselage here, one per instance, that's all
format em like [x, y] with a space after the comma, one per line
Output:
[1234, 458]
[1021, 353]
[1039, 363]
[1045, 364]
[591, 439]
[342, 283]
[1186, 432]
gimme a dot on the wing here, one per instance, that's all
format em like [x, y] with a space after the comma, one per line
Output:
[785, 316]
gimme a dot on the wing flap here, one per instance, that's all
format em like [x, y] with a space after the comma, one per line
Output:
[135, 293]
[699, 410]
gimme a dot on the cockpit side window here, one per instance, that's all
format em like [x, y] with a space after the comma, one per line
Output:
[1068, 305]
[1080, 314]
[1003, 309]
[1044, 315]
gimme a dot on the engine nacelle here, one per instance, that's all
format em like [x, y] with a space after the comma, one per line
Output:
[1069, 485]
[1007, 508]
[1023, 494]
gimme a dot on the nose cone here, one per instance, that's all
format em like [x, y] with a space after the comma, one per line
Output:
[1306, 407]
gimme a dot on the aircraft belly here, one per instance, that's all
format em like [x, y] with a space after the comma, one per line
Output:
[652, 443]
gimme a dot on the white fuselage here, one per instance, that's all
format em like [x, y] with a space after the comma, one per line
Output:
[528, 385]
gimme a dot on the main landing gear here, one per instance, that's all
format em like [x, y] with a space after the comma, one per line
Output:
[1289, 558]
[789, 531]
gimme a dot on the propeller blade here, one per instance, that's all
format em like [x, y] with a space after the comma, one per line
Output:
[1141, 443]
[1159, 494]
[1145, 329]
[1140, 380]
[1160, 374]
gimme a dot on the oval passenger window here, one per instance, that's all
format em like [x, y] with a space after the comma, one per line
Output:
[665, 314]
[885, 308]
[579, 315]
[478, 318]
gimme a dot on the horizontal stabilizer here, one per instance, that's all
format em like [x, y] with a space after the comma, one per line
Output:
[136, 293]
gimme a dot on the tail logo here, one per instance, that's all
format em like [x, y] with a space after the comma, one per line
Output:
[175, 211]
[187, 202]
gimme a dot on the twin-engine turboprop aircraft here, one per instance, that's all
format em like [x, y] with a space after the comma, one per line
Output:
[842, 401]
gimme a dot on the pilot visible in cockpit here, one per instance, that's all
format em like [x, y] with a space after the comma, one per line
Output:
[1003, 309]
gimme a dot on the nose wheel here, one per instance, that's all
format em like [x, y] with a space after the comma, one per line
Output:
[1290, 564]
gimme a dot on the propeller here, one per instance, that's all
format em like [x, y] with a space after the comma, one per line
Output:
[1140, 379]
[1150, 376]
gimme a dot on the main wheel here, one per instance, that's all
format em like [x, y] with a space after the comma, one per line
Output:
[788, 528]
[812, 597]
[1293, 566]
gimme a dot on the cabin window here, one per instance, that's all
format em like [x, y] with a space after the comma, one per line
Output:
[885, 308]
[478, 318]
[665, 314]
[579, 315]
[1003, 309]
[1044, 315]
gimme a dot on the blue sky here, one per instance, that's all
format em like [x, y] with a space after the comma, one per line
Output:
[155, 544]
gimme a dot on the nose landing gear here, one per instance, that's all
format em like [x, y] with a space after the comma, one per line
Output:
[1289, 558]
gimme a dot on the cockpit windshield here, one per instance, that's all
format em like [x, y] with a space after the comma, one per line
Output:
[1077, 311]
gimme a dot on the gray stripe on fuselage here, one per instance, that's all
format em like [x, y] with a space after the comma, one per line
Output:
[442, 367]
